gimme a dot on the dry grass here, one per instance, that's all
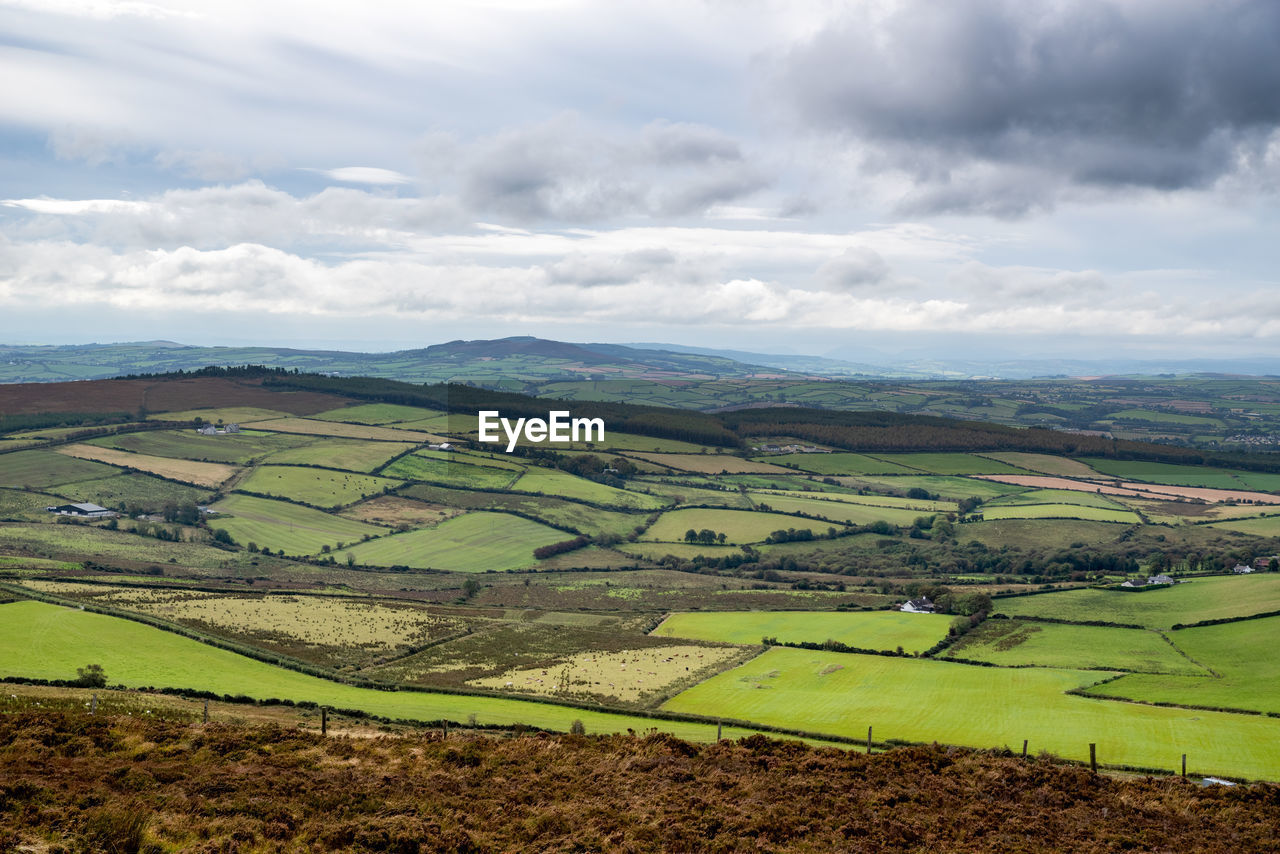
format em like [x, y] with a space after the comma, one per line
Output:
[211, 475]
[393, 511]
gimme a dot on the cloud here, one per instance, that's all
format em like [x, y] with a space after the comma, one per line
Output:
[999, 105]
[566, 169]
[856, 267]
[365, 175]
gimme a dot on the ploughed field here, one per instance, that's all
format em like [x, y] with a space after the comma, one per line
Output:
[331, 549]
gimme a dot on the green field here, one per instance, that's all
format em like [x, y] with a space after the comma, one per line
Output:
[925, 701]
[1158, 417]
[562, 484]
[1011, 643]
[88, 541]
[1175, 475]
[949, 464]
[738, 526]
[838, 511]
[1059, 511]
[473, 542]
[1264, 526]
[837, 463]
[709, 463]
[1198, 599]
[886, 630]
[1044, 464]
[377, 413]
[1055, 496]
[48, 642]
[237, 448]
[42, 469]
[942, 486]
[920, 505]
[1242, 657]
[450, 472]
[349, 454]
[133, 490]
[280, 525]
[588, 520]
[317, 487]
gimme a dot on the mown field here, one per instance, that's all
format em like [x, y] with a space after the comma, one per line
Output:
[1198, 599]
[979, 706]
[279, 525]
[317, 487]
[1019, 643]
[884, 630]
[473, 542]
[211, 475]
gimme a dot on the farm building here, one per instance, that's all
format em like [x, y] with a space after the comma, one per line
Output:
[86, 510]
[1241, 569]
[207, 430]
[1161, 579]
[919, 606]
[443, 446]
[1264, 563]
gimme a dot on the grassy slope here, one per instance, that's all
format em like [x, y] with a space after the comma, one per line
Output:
[1243, 654]
[281, 525]
[48, 642]
[1199, 599]
[349, 454]
[319, 487]
[738, 526]
[885, 630]
[473, 542]
[981, 706]
[1018, 642]
[1060, 511]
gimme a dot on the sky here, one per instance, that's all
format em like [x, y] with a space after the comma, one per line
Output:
[949, 179]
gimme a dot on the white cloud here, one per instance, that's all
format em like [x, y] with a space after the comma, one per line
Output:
[365, 175]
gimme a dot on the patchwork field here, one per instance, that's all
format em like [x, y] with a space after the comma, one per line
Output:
[473, 542]
[836, 463]
[307, 426]
[235, 448]
[1246, 671]
[280, 525]
[317, 487]
[1060, 511]
[132, 490]
[738, 526]
[349, 454]
[838, 511]
[1044, 464]
[1017, 643]
[885, 630]
[42, 469]
[709, 463]
[1176, 475]
[922, 700]
[211, 475]
[49, 642]
[948, 464]
[449, 472]
[564, 485]
[90, 542]
[1198, 599]
[376, 413]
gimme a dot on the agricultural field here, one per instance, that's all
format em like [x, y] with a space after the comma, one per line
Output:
[317, 487]
[1021, 643]
[1241, 655]
[943, 487]
[738, 526]
[211, 475]
[1176, 475]
[1055, 496]
[48, 642]
[880, 630]
[860, 513]
[710, 463]
[43, 469]
[837, 463]
[1044, 464]
[1060, 511]
[556, 512]
[926, 701]
[682, 493]
[282, 526]
[370, 433]
[133, 490]
[393, 511]
[561, 484]
[1198, 599]
[473, 542]
[96, 543]
[18, 505]
[348, 454]
[377, 414]
[450, 472]
[1264, 526]
[948, 464]
[235, 448]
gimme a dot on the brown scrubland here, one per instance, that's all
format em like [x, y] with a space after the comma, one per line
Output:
[70, 781]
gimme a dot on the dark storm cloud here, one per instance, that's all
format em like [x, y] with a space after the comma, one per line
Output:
[1165, 94]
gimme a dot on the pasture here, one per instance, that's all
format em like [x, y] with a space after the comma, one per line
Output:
[1198, 599]
[924, 701]
[1060, 511]
[709, 463]
[1055, 496]
[235, 448]
[282, 526]
[1264, 526]
[1044, 464]
[48, 642]
[836, 463]
[738, 526]
[369, 433]
[1012, 643]
[884, 630]
[1176, 475]
[348, 454]
[211, 475]
[564, 485]
[317, 487]
[134, 490]
[450, 472]
[377, 413]
[940, 485]
[837, 511]
[96, 543]
[948, 464]
[43, 469]
[1246, 670]
[472, 542]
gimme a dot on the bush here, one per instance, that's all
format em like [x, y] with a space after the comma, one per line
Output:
[115, 830]
[91, 676]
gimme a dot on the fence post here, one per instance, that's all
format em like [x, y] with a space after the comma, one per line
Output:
[324, 720]
[1024, 748]
[206, 711]
[1184, 765]
[1093, 757]
[444, 727]
[93, 705]
[719, 729]
[868, 739]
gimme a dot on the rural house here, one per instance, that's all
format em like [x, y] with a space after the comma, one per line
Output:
[207, 430]
[1161, 579]
[1264, 563]
[919, 606]
[1241, 569]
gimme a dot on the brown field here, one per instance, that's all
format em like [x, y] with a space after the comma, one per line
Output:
[1133, 489]
[158, 396]
[710, 463]
[188, 471]
[164, 782]
[393, 511]
[311, 427]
